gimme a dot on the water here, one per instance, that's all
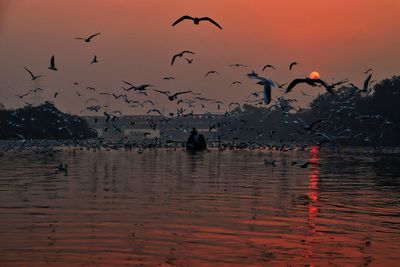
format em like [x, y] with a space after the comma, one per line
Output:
[171, 208]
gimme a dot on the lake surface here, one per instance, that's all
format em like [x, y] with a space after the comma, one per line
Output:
[172, 208]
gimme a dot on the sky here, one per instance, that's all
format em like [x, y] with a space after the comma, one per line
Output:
[339, 39]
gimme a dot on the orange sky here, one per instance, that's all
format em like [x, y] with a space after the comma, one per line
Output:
[340, 39]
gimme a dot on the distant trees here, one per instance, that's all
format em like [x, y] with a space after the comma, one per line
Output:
[42, 122]
[349, 117]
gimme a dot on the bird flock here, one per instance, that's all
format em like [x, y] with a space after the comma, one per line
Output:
[186, 100]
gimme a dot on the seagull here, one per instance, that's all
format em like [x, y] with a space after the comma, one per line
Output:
[52, 64]
[197, 20]
[34, 77]
[268, 66]
[154, 110]
[292, 65]
[212, 72]
[171, 97]
[94, 60]
[366, 84]
[267, 83]
[312, 82]
[236, 82]
[189, 61]
[22, 96]
[237, 65]
[180, 55]
[169, 78]
[87, 40]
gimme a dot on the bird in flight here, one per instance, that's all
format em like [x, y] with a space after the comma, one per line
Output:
[267, 83]
[88, 39]
[237, 65]
[313, 82]
[236, 82]
[189, 61]
[292, 65]
[268, 66]
[212, 72]
[52, 64]
[174, 96]
[34, 77]
[181, 55]
[197, 20]
[94, 60]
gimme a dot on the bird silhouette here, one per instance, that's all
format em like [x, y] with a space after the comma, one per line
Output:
[52, 64]
[292, 65]
[33, 77]
[196, 20]
[181, 55]
[88, 39]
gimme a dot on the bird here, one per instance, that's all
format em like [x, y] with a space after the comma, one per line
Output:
[94, 60]
[173, 96]
[34, 77]
[212, 72]
[196, 20]
[23, 95]
[309, 81]
[237, 65]
[88, 39]
[366, 84]
[52, 64]
[268, 66]
[154, 110]
[267, 83]
[168, 78]
[189, 61]
[292, 65]
[236, 82]
[181, 55]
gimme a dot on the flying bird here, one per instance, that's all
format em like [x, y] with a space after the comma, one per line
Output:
[88, 39]
[197, 20]
[237, 65]
[292, 65]
[181, 55]
[52, 64]
[236, 82]
[94, 60]
[312, 82]
[189, 61]
[212, 72]
[267, 83]
[34, 77]
[268, 66]
[366, 84]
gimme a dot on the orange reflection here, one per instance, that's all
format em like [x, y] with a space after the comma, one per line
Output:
[313, 199]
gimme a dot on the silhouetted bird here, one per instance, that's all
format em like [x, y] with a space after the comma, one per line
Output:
[88, 39]
[180, 55]
[292, 65]
[196, 20]
[34, 77]
[52, 64]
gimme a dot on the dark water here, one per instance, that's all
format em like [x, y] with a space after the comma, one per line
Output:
[170, 208]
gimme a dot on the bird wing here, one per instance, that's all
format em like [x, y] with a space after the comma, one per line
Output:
[267, 93]
[128, 83]
[293, 84]
[182, 18]
[211, 20]
[366, 82]
[80, 38]
[187, 51]
[161, 92]
[29, 72]
[91, 36]
[173, 59]
[180, 93]
[52, 63]
[292, 64]
[324, 84]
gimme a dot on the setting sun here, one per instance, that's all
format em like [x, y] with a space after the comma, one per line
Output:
[314, 75]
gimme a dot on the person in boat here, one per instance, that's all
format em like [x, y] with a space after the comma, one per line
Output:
[196, 141]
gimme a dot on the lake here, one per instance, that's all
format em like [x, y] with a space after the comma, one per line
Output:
[171, 208]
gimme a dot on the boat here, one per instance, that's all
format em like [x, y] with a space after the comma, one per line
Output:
[196, 142]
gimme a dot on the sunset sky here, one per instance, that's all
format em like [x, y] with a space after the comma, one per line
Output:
[340, 39]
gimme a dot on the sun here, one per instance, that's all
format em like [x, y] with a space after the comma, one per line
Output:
[314, 75]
